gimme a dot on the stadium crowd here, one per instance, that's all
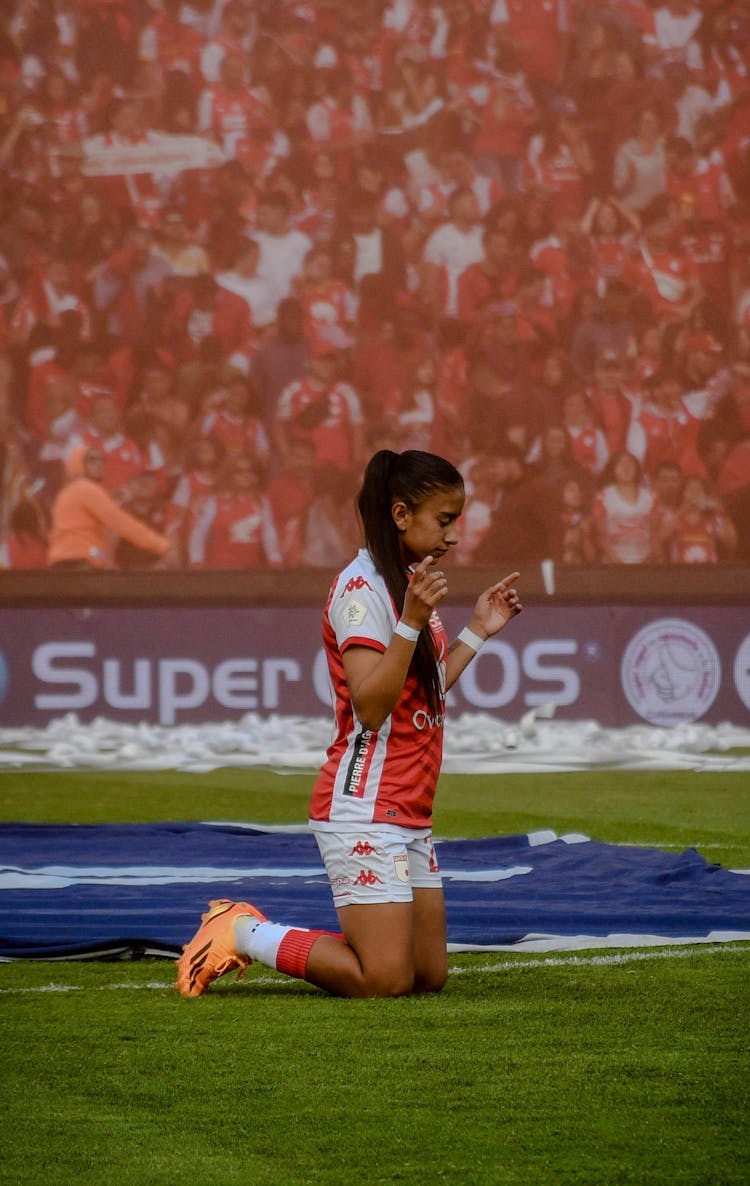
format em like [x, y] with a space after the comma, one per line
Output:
[245, 243]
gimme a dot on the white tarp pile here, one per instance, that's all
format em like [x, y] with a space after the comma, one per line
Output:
[474, 743]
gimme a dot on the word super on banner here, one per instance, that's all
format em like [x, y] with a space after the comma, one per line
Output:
[179, 665]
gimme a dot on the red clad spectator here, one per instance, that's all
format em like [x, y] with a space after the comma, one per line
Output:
[53, 377]
[611, 405]
[490, 280]
[504, 109]
[123, 459]
[48, 295]
[169, 44]
[663, 429]
[231, 109]
[666, 276]
[339, 116]
[127, 193]
[699, 186]
[623, 514]
[450, 430]
[666, 483]
[613, 231]
[198, 482]
[290, 493]
[700, 532]
[566, 259]
[326, 301]
[384, 356]
[66, 120]
[202, 310]
[538, 31]
[144, 501]
[236, 38]
[94, 378]
[235, 421]
[588, 442]
[322, 409]
[577, 532]
[234, 527]
[710, 247]
[559, 162]
[456, 171]
[130, 287]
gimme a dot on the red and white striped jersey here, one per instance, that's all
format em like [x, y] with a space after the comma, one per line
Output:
[388, 776]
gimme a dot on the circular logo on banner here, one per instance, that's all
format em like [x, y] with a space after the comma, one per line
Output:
[742, 671]
[670, 672]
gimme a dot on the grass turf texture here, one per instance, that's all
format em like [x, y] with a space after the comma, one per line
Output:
[525, 1070]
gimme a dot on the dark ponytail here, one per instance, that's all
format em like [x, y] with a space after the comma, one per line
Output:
[408, 477]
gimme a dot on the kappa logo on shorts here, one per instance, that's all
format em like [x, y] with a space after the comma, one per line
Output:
[363, 848]
[367, 877]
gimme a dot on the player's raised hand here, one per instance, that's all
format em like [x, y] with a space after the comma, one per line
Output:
[427, 587]
[497, 605]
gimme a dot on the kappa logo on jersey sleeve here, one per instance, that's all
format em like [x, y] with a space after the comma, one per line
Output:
[354, 613]
[356, 583]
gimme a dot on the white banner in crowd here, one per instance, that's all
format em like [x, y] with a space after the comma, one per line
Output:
[157, 153]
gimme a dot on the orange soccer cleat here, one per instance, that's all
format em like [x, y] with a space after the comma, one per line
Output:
[212, 951]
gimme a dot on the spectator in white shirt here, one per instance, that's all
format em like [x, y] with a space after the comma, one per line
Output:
[455, 245]
[244, 280]
[282, 249]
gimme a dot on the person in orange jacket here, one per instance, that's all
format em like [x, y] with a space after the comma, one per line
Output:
[86, 521]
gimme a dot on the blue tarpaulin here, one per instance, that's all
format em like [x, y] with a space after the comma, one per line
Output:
[130, 889]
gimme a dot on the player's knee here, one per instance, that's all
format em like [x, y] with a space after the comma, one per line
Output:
[384, 982]
[432, 981]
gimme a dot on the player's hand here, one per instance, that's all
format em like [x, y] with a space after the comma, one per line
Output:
[427, 588]
[496, 606]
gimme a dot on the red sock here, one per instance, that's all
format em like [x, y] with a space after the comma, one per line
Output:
[295, 949]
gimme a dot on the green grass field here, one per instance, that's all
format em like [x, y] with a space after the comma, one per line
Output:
[597, 1067]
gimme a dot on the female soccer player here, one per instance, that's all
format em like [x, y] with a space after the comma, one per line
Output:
[390, 665]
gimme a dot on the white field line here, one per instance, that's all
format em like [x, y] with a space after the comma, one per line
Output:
[576, 961]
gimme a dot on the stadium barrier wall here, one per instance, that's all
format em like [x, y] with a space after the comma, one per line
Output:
[619, 645]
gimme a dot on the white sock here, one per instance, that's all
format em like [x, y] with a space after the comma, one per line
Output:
[260, 940]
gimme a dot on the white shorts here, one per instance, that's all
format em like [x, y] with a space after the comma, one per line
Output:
[376, 865]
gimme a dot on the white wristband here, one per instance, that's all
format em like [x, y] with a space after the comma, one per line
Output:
[471, 640]
[410, 633]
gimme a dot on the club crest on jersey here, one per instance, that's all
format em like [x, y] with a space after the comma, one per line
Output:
[354, 613]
